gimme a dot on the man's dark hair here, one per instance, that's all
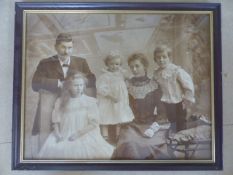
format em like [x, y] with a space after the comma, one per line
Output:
[63, 37]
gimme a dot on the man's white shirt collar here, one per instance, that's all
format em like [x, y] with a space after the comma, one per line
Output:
[67, 61]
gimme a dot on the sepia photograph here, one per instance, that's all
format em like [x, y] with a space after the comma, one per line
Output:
[117, 85]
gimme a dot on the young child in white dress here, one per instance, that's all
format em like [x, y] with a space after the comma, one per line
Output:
[112, 95]
[76, 133]
[177, 88]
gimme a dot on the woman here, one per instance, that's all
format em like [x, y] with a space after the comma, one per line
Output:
[134, 141]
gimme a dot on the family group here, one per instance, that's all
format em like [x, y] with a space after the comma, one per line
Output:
[120, 119]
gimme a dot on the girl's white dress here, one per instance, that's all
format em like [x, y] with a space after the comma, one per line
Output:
[76, 116]
[112, 83]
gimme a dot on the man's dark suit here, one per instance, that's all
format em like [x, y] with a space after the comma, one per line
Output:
[46, 77]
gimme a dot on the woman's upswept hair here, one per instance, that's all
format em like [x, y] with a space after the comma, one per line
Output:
[139, 56]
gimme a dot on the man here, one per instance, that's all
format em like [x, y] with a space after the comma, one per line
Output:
[49, 78]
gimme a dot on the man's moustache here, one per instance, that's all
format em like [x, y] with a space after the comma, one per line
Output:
[64, 56]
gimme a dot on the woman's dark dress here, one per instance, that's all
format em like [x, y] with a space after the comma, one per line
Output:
[144, 97]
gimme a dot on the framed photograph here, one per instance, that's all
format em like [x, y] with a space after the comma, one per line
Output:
[117, 86]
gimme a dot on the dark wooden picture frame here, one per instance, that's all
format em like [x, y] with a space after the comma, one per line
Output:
[22, 76]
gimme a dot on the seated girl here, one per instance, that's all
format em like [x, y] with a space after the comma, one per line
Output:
[76, 133]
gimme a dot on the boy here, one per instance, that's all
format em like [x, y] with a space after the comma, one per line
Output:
[177, 88]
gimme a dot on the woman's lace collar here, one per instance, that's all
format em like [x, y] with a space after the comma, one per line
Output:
[139, 81]
[139, 87]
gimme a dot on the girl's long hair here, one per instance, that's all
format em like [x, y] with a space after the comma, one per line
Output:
[65, 95]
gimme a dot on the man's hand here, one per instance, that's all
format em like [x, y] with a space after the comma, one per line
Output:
[60, 84]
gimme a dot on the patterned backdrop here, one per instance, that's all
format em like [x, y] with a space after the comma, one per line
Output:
[95, 35]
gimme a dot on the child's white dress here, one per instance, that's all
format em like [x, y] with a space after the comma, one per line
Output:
[112, 83]
[76, 116]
